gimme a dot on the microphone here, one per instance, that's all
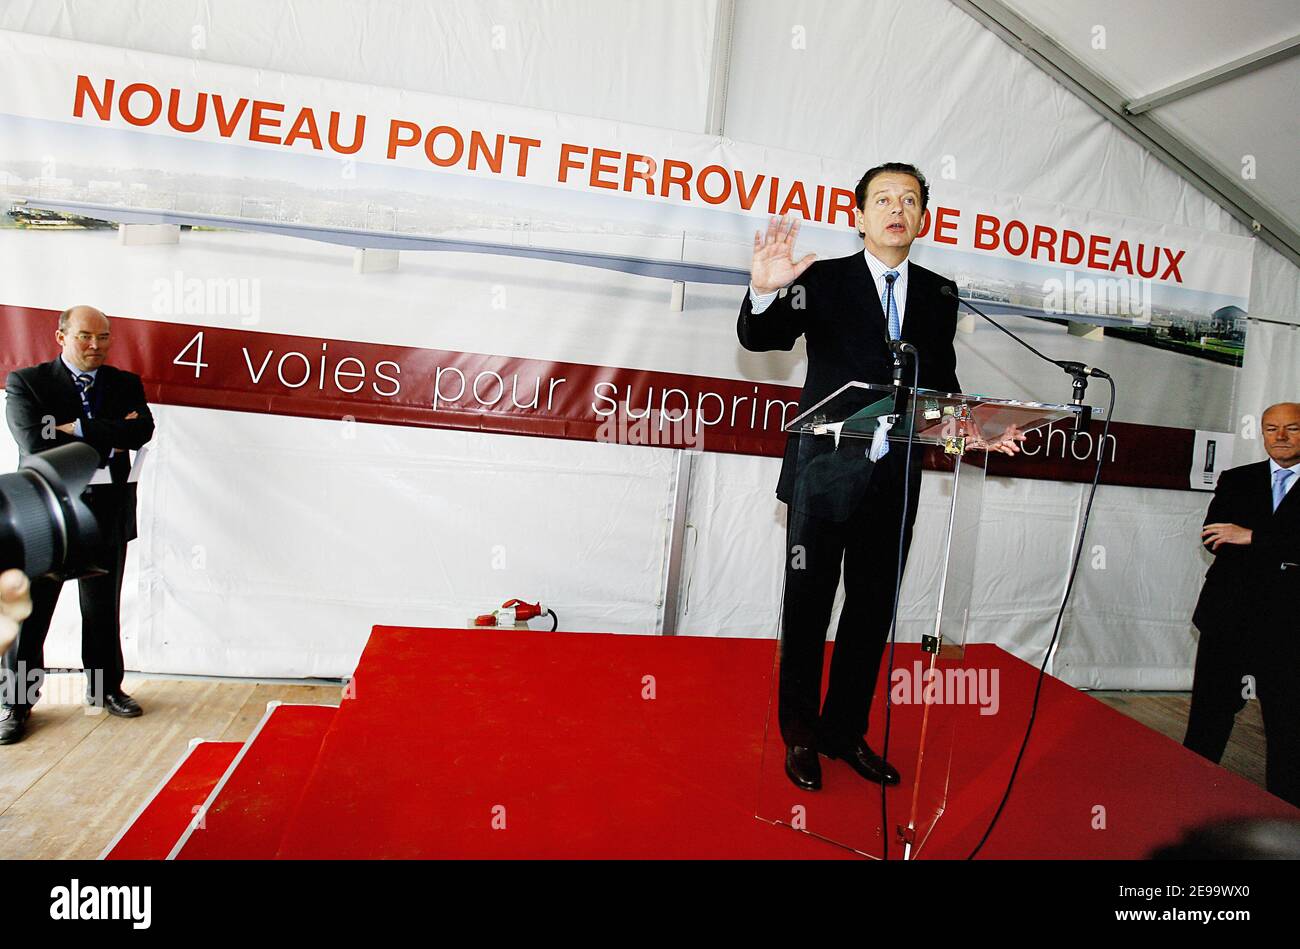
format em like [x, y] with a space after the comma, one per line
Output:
[1073, 367]
[898, 347]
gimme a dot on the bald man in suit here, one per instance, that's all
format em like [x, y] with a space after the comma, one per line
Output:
[1248, 613]
[78, 397]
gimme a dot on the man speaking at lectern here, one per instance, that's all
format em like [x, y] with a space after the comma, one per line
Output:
[848, 309]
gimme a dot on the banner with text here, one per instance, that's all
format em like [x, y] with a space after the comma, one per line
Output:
[91, 134]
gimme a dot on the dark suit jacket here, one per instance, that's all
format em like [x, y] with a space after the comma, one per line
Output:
[39, 393]
[848, 338]
[1257, 582]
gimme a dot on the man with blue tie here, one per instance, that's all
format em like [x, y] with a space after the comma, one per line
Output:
[841, 504]
[1249, 609]
[77, 397]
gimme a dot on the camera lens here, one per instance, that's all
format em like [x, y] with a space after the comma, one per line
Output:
[45, 527]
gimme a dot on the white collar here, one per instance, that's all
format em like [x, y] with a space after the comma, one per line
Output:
[1274, 468]
[879, 268]
[74, 370]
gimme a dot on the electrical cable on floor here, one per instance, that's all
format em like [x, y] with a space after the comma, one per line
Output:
[1056, 632]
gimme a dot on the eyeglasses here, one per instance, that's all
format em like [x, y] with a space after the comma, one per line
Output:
[88, 337]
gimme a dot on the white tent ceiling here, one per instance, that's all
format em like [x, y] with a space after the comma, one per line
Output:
[1247, 127]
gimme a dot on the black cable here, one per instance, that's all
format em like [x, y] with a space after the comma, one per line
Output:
[949, 292]
[898, 586]
[1075, 369]
[1056, 632]
[1080, 372]
[555, 620]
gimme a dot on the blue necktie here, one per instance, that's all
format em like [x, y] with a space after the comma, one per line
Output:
[890, 306]
[84, 382]
[1280, 478]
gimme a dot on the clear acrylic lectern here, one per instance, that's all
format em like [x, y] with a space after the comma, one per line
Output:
[930, 683]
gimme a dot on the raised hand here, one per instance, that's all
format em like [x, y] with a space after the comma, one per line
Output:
[774, 266]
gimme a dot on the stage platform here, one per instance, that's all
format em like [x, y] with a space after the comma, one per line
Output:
[462, 743]
[165, 817]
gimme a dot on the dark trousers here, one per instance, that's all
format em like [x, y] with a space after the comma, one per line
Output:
[101, 640]
[867, 545]
[1224, 658]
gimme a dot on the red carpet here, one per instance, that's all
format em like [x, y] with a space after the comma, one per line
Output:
[247, 812]
[494, 743]
[1086, 764]
[486, 743]
[151, 833]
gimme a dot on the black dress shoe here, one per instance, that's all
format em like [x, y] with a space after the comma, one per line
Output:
[803, 768]
[13, 725]
[866, 763]
[119, 704]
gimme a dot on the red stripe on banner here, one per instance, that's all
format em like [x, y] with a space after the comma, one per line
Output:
[248, 371]
[1136, 456]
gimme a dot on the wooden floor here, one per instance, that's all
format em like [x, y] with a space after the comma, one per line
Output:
[1166, 712]
[70, 785]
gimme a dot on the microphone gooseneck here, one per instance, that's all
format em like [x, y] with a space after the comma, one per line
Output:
[1079, 372]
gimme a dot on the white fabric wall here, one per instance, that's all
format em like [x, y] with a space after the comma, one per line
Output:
[1270, 375]
[269, 546]
[1274, 285]
[1128, 625]
[336, 527]
[917, 80]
